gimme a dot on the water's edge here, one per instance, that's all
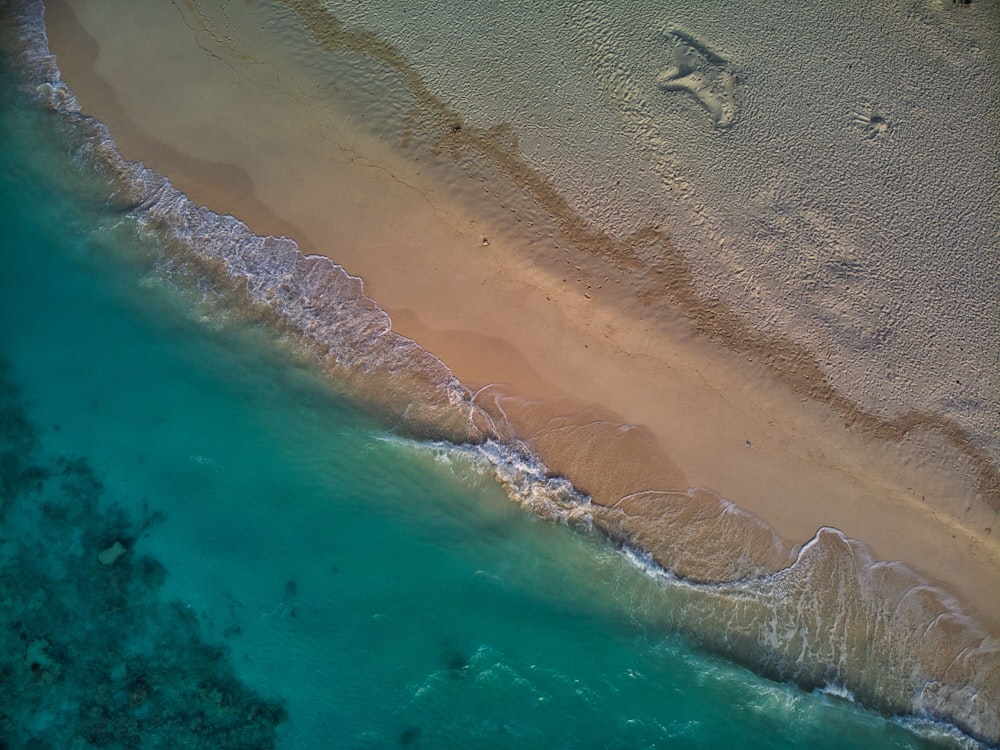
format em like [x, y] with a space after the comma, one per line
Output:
[833, 617]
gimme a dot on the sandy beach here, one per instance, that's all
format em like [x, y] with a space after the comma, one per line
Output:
[619, 391]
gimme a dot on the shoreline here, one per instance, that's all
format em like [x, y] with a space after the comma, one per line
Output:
[709, 417]
[785, 592]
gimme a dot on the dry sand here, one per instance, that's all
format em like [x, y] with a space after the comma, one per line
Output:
[557, 347]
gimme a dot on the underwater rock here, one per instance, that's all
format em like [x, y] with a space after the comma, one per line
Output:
[110, 555]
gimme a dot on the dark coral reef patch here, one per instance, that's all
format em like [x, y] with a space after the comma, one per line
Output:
[90, 654]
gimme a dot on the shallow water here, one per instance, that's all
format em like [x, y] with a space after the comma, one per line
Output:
[385, 592]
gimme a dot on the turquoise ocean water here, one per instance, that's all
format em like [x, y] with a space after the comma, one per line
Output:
[293, 574]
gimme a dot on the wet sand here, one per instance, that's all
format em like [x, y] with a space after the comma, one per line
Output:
[569, 353]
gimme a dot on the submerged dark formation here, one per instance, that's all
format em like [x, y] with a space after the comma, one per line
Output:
[92, 656]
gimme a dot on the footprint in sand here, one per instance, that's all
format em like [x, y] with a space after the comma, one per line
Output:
[704, 74]
[870, 122]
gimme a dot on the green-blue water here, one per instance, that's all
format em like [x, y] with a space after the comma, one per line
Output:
[337, 587]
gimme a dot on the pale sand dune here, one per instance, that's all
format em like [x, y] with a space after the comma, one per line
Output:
[564, 345]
